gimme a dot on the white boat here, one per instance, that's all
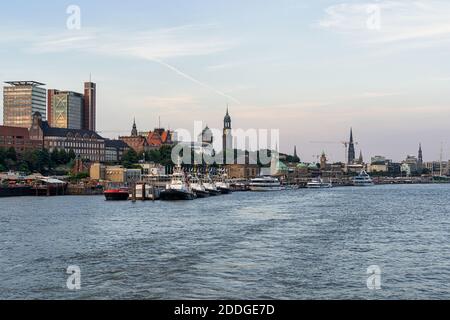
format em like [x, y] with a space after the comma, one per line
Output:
[318, 183]
[179, 188]
[223, 185]
[198, 187]
[265, 184]
[363, 180]
[210, 186]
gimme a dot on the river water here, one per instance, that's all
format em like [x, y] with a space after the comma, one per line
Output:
[299, 244]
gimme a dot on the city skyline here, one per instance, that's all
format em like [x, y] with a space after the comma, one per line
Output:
[313, 71]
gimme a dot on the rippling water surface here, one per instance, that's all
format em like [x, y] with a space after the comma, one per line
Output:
[298, 244]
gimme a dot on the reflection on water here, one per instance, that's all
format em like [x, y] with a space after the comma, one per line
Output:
[296, 244]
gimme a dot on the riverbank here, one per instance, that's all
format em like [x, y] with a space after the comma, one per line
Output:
[83, 190]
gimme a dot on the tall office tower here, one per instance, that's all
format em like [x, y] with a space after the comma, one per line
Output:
[21, 99]
[351, 149]
[66, 110]
[90, 105]
[50, 94]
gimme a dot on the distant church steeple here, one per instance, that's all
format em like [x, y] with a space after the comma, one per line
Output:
[134, 131]
[420, 159]
[296, 157]
[351, 149]
[360, 160]
[227, 120]
[323, 161]
[227, 139]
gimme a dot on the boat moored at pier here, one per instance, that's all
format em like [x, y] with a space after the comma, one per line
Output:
[363, 180]
[120, 194]
[265, 184]
[179, 188]
[210, 186]
[223, 185]
[198, 188]
[318, 183]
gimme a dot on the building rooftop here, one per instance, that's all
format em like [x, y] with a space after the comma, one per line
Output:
[58, 92]
[116, 144]
[25, 83]
[62, 132]
[9, 130]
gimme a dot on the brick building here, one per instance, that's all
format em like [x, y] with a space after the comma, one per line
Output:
[18, 138]
[114, 150]
[146, 141]
[86, 144]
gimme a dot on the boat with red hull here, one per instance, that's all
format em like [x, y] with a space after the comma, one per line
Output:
[117, 194]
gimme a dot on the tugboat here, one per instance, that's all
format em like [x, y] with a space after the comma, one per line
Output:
[210, 186]
[179, 188]
[223, 186]
[198, 187]
[121, 194]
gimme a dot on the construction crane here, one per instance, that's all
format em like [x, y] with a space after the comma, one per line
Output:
[344, 143]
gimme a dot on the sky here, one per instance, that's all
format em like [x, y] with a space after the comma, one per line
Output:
[311, 69]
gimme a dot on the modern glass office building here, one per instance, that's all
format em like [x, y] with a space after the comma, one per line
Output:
[21, 99]
[67, 110]
[90, 106]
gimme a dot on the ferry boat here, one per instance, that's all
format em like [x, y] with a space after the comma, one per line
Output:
[363, 180]
[265, 184]
[120, 194]
[318, 183]
[198, 188]
[210, 186]
[179, 188]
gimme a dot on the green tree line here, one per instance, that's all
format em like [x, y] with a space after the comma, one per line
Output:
[40, 160]
[162, 156]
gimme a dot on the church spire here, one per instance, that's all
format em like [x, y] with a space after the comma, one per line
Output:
[227, 139]
[134, 132]
[420, 159]
[351, 148]
[227, 120]
[420, 156]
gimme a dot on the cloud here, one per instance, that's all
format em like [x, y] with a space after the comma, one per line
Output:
[165, 43]
[390, 22]
[154, 45]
